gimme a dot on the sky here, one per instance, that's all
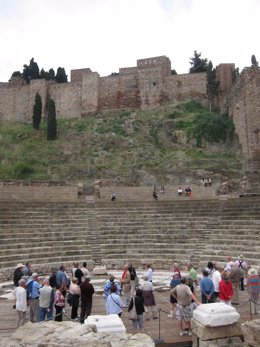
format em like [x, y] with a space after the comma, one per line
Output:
[105, 35]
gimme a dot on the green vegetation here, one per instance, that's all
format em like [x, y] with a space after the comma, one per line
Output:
[135, 146]
[37, 111]
[51, 121]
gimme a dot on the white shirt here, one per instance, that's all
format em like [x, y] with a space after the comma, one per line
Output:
[20, 296]
[216, 277]
[149, 274]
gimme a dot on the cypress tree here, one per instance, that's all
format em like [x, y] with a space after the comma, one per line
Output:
[37, 111]
[51, 121]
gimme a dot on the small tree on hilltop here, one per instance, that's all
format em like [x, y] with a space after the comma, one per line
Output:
[197, 63]
[31, 72]
[254, 62]
[212, 84]
[37, 111]
[51, 121]
[61, 76]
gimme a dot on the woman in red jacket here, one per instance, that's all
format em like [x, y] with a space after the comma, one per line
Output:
[225, 289]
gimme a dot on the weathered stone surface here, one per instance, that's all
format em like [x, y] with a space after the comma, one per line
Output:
[69, 334]
[251, 331]
[210, 333]
[229, 342]
[216, 314]
[100, 270]
[108, 323]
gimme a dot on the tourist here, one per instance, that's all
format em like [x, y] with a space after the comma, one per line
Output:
[180, 191]
[216, 277]
[33, 293]
[126, 286]
[253, 288]
[207, 288]
[52, 279]
[46, 301]
[210, 269]
[78, 273]
[149, 273]
[138, 301]
[134, 279]
[229, 264]
[18, 274]
[155, 195]
[149, 300]
[193, 275]
[84, 271]
[225, 288]
[184, 296]
[62, 278]
[242, 265]
[20, 302]
[188, 191]
[59, 301]
[87, 291]
[74, 293]
[234, 277]
[176, 279]
[108, 285]
[113, 197]
[175, 268]
[114, 304]
[27, 270]
[162, 190]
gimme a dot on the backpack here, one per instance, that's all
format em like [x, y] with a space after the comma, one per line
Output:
[29, 289]
[132, 274]
[52, 281]
[241, 269]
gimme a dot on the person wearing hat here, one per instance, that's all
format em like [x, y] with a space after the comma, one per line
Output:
[253, 288]
[18, 274]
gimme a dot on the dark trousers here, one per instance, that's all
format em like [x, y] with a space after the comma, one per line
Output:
[58, 315]
[74, 306]
[86, 307]
[242, 284]
[205, 301]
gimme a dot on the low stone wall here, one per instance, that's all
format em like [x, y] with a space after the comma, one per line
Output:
[15, 191]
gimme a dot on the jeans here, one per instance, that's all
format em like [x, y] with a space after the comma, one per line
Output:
[43, 312]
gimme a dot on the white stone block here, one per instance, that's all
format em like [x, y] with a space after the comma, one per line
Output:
[111, 323]
[216, 314]
[100, 270]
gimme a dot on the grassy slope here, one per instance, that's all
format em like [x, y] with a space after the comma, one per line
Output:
[140, 147]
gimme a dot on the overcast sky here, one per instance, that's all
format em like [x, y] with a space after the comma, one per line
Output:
[105, 35]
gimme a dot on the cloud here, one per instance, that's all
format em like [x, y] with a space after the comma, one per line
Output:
[105, 35]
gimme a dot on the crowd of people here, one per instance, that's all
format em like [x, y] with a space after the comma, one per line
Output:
[218, 284]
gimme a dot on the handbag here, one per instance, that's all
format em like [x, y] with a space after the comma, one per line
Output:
[132, 315]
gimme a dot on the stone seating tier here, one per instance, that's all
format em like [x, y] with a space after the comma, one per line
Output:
[157, 232]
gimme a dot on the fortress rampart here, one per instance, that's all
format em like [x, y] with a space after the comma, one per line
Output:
[149, 84]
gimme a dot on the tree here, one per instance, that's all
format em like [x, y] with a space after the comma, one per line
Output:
[235, 74]
[197, 63]
[61, 76]
[16, 74]
[51, 121]
[31, 72]
[37, 111]
[212, 84]
[254, 62]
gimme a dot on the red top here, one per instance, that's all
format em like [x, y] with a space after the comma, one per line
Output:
[225, 290]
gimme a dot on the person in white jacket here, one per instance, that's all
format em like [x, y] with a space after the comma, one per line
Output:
[20, 302]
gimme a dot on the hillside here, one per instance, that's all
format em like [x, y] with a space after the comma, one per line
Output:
[163, 145]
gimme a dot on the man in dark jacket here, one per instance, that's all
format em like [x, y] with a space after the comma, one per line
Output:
[18, 274]
[87, 291]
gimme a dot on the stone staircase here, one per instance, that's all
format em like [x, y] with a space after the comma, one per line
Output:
[157, 232]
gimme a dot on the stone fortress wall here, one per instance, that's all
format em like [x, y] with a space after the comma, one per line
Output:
[149, 84]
